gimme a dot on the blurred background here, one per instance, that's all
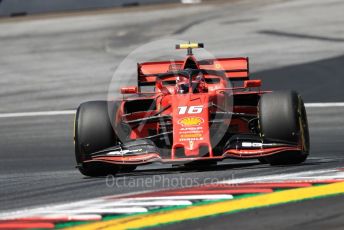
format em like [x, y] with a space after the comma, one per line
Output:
[55, 61]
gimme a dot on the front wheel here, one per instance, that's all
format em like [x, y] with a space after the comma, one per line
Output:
[94, 132]
[127, 168]
[282, 117]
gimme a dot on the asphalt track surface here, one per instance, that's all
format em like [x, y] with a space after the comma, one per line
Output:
[56, 63]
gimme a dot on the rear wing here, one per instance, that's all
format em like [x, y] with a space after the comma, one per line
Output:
[234, 68]
[146, 71]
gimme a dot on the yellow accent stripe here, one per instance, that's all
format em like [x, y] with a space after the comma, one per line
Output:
[186, 46]
[145, 220]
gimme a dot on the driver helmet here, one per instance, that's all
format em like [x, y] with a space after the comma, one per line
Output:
[199, 84]
[182, 86]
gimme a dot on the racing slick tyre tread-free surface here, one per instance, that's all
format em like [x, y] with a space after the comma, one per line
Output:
[94, 132]
[282, 116]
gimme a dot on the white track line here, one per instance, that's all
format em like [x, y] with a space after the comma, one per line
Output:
[325, 104]
[63, 216]
[143, 203]
[97, 211]
[33, 211]
[72, 112]
[36, 114]
[186, 197]
[126, 205]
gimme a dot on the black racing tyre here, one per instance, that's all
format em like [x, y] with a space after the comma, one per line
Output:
[282, 117]
[94, 132]
[127, 168]
[263, 160]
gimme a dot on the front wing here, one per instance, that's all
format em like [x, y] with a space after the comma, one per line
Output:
[142, 152]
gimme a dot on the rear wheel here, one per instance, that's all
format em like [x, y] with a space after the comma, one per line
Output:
[94, 132]
[282, 117]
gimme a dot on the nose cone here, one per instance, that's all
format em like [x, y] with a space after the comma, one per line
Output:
[190, 125]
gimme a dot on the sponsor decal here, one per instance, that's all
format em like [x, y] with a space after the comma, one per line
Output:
[191, 139]
[191, 135]
[174, 67]
[191, 129]
[252, 144]
[218, 66]
[122, 152]
[190, 121]
[191, 143]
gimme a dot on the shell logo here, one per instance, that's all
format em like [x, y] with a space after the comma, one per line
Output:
[190, 121]
[218, 66]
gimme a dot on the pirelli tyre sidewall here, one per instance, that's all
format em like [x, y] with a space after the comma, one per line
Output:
[94, 132]
[282, 116]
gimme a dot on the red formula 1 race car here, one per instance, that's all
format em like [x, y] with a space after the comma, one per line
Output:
[199, 112]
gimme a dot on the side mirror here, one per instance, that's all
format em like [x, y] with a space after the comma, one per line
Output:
[252, 83]
[129, 90]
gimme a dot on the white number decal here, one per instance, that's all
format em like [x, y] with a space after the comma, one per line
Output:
[192, 109]
[182, 109]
